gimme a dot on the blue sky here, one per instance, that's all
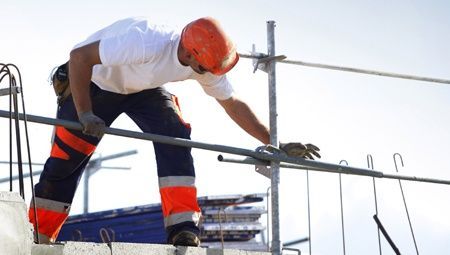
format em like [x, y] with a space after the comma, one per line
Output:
[347, 115]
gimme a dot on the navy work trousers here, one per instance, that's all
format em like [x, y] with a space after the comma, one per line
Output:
[154, 111]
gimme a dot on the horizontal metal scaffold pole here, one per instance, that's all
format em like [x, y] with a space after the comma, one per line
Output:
[354, 70]
[355, 171]
[16, 177]
[263, 157]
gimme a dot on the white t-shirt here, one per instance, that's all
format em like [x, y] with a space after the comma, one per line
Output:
[137, 55]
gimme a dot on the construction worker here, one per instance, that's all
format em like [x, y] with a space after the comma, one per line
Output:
[121, 69]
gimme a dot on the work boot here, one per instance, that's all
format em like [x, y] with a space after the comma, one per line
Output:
[185, 238]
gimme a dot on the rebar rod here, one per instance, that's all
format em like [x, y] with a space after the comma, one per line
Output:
[7, 72]
[404, 201]
[30, 166]
[370, 166]
[342, 208]
[356, 70]
[342, 214]
[18, 147]
[14, 90]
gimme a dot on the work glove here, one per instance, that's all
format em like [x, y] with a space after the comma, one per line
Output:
[299, 150]
[92, 125]
[293, 150]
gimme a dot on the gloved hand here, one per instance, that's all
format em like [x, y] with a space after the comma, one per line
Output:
[300, 150]
[293, 150]
[92, 125]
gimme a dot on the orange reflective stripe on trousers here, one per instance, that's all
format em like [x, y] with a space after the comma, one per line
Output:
[72, 141]
[50, 222]
[178, 200]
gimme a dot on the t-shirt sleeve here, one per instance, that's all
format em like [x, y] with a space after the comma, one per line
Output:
[216, 86]
[125, 49]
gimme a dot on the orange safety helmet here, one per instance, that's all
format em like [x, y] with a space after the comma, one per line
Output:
[210, 46]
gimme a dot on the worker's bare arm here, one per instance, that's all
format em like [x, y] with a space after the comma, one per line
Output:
[243, 115]
[81, 62]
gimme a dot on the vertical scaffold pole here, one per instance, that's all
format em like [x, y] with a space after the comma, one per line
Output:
[275, 166]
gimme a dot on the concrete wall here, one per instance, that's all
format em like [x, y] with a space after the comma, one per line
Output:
[16, 233]
[71, 248]
[80, 248]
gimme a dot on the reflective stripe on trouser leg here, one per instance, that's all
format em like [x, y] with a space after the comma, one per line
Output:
[71, 140]
[51, 215]
[179, 200]
[69, 155]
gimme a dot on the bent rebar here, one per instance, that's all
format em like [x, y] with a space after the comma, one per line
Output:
[370, 165]
[404, 200]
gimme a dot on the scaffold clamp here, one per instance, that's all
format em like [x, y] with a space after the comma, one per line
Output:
[261, 60]
[264, 170]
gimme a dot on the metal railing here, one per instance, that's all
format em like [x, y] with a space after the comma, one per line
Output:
[350, 69]
[256, 158]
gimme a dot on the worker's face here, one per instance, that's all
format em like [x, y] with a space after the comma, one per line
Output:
[195, 65]
[187, 59]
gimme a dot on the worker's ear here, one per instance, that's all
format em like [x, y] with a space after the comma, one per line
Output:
[60, 82]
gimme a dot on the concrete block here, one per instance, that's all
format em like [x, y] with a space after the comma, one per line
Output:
[71, 248]
[145, 249]
[80, 248]
[192, 251]
[16, 233]
[140, 249]
[236, 252]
